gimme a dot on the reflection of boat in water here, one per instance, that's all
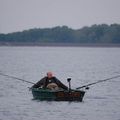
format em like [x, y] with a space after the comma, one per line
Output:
[57, 95]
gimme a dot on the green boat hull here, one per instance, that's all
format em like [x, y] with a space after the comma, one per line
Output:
[59, 95]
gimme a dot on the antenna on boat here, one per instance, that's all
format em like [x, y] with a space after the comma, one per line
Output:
[69, 81]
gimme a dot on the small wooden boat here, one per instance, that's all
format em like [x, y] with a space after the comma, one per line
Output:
[57, 95]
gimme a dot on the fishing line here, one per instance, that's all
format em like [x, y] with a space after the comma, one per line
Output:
[9, 76]
[99, 81]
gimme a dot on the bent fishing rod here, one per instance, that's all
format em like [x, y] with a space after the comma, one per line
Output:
[9, 76]
[99, 81]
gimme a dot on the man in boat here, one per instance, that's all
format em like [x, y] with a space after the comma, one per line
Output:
[50, 82]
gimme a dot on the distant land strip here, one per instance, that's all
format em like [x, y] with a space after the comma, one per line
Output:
[94, 36]
[58, 44]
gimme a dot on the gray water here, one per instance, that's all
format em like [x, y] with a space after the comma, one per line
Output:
[83, 65]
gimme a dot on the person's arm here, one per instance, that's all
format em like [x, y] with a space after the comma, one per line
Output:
[39, 83]
[60, 84]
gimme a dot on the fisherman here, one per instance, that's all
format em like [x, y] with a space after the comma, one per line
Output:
[50, 82]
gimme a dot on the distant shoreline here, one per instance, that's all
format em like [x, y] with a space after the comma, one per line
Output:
[58, 45]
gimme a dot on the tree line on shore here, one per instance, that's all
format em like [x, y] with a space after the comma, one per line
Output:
[95, 34]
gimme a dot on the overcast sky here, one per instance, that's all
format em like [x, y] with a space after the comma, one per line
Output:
[18, 15]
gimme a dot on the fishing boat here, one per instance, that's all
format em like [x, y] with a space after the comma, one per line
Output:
[57, 95]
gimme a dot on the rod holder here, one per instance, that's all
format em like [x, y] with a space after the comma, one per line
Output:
[69, 81]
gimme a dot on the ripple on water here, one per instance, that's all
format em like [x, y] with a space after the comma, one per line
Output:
[84, 65]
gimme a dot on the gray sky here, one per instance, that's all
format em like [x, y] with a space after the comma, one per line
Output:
[18, 15]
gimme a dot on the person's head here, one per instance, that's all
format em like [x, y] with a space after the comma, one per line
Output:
[49, 74]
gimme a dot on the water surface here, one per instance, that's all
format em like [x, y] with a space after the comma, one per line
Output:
[83, 65]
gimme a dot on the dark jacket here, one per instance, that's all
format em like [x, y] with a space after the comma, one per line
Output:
[45, 81]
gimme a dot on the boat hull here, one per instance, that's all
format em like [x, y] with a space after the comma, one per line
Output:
[59, 95]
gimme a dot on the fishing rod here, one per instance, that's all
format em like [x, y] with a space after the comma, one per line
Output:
[2, 74]
[86, 86]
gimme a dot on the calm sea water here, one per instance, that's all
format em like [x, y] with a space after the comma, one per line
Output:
[83, 65]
